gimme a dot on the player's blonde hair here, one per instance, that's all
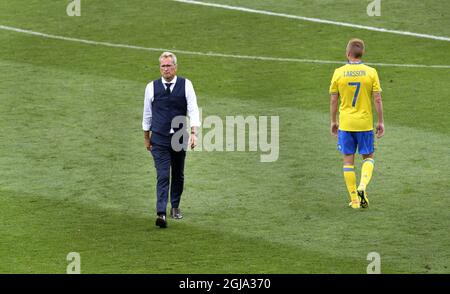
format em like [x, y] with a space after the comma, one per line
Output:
[167, 55]
[355, 48]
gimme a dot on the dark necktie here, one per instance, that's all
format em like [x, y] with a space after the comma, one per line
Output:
[168, 88]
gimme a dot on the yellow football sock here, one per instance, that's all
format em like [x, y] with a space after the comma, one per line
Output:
[366, 173]
[350, 181]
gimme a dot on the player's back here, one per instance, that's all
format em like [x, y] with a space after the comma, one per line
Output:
[355, 83]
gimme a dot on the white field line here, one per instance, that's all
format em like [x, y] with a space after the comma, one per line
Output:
[317, 20]
[210, 54]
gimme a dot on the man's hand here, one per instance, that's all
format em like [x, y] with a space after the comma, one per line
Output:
[380, 130]
[193, 141]
[148, 145]
[334, 129]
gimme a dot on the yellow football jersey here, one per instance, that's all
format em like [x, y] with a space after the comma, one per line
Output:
[355, 84]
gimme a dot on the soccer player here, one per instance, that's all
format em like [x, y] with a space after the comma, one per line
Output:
[356, 84]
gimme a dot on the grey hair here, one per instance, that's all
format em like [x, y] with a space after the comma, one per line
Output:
[168, 54]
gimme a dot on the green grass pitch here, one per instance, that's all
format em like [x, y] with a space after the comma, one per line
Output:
[74, 174]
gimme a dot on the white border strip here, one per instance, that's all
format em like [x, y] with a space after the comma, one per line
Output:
[211, 54]
[311, 19]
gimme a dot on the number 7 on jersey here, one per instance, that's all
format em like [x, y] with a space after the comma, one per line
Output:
[358, 85]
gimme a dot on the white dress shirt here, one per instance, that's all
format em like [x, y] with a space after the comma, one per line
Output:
[191, 100]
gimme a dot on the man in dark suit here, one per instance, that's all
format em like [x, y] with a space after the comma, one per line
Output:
[167, 102]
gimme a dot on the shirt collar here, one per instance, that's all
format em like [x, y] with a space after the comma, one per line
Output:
[173, 81]
[352, 62]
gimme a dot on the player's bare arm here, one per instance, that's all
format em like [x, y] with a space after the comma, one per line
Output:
[379, 108]
[333, 112]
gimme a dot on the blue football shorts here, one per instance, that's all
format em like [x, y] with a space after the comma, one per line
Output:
[348, 141]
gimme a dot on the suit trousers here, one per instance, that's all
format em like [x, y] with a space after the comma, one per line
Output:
[169, 166]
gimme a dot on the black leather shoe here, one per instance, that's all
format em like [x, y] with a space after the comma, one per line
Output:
[176, 213]
[161, 221]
